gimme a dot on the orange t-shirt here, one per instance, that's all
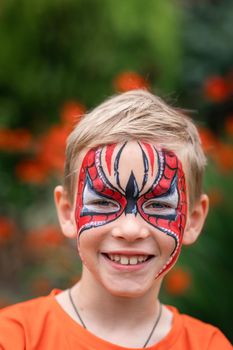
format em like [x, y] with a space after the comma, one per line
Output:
[41, 324]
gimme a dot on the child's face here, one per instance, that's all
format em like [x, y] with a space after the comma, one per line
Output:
[130, 214]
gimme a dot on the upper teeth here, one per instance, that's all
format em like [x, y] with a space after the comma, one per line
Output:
[128, 260]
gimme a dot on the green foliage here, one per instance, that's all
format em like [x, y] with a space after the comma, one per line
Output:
[67, 49]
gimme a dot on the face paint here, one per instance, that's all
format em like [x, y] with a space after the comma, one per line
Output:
[157, 195]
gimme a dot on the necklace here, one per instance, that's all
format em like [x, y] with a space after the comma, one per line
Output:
[84, 326]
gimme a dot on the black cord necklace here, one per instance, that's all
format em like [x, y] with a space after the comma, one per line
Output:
[84, 326]
[75, 309]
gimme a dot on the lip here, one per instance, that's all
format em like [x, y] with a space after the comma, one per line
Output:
[127, 252]
[127, 268]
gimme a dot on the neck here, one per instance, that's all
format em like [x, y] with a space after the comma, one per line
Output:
[96, 303]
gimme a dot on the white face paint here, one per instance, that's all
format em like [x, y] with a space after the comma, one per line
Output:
[163, 205]
[93, 202]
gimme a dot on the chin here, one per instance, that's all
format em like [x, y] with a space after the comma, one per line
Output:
[128, 291]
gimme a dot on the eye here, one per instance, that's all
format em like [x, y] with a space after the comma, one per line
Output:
[157, 207]
[100, 205]
[94, 203]
[104, 203]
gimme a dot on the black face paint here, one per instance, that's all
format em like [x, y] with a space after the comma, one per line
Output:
[116, 166]
[146, 167]
[131, 195]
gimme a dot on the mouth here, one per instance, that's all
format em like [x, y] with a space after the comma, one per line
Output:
[124, 260]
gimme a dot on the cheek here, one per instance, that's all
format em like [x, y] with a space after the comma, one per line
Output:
[89, 243]
[166, 243]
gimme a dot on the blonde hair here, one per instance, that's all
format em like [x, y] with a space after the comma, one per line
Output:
[138, 115]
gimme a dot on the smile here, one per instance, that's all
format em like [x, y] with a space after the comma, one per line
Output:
[128, 260]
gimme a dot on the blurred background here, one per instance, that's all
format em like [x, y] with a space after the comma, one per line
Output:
[61, 58]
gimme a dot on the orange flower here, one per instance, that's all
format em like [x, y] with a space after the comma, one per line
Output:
[50, 157]
[31, 171]
[208, 139]
[71, 113]
[216, 89]
[177, 281]
[52, 148]
[223, 156]
[229, 125]
[6, 230]
[52, 236]
[129, 81]
[48, 236]
[15, 140]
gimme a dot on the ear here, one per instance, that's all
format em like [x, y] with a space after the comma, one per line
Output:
[65, 212]
[196, 220]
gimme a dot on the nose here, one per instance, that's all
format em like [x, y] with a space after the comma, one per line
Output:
[130, 228]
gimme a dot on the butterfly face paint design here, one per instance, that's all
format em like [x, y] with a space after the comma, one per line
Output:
[156, 191]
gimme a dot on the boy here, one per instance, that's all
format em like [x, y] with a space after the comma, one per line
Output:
[132, 196]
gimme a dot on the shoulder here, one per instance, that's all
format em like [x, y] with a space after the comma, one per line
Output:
[25, 310]
[202, 335]
[19, 320]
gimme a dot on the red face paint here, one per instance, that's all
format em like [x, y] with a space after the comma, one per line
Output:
[102, 197]
[108, 156]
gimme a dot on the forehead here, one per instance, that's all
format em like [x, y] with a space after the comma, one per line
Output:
[120, 160]
[128, 156]
[131, 153]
